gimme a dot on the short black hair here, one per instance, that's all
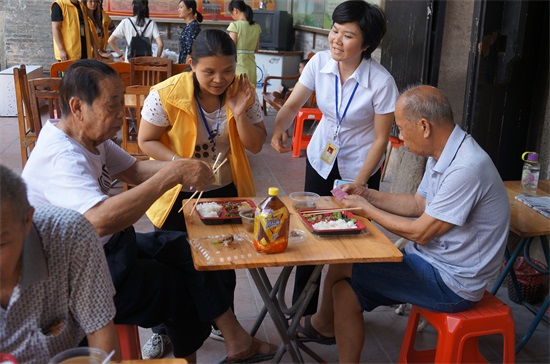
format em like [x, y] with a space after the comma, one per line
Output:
[82, 80]
[370, 19]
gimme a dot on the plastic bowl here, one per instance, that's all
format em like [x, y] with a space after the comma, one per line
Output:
[247, 216]
[304, 200]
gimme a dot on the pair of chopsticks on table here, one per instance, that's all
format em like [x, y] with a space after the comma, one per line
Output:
[215, 168]
[326, 211]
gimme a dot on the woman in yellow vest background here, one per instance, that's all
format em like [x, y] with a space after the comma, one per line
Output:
[70, 30]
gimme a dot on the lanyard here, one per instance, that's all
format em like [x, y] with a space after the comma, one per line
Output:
[211, 133]
[338, 119]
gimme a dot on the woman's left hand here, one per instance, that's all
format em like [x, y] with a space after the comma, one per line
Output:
[238, 103]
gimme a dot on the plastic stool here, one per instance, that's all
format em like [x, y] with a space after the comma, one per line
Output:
[300, 141]
[128, 337]
[458, 333]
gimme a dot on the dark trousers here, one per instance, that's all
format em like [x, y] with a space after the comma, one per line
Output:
[176, 222]
[152, 286]
[315, 183]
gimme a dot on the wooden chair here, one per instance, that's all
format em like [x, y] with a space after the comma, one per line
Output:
[178, 68]
[124, 72]
[270, 97]
[148, 71]
[44, 91]
[133, 103]
[273, 99]
[58, 69]
[27, 134]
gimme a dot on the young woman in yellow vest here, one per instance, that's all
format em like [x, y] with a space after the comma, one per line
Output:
[201, 114]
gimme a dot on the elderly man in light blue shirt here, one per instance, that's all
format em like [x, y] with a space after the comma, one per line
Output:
[456, 226]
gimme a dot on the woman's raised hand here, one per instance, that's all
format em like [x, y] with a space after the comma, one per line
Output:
[238, 102]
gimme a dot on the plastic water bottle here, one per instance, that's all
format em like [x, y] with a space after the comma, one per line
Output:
[262, 5]
[530, 174]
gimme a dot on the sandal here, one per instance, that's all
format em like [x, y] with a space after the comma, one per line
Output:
[253, 354]
[309, 334]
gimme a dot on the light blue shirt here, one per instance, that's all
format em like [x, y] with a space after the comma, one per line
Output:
[464, 188]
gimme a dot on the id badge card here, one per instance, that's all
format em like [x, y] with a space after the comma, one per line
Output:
[330, 152]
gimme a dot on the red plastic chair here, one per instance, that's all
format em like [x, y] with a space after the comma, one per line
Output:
[458, 333]
[128, 337]
[300, 141]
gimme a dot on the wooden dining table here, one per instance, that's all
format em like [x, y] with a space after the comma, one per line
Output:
[528, 224]
[371, 245]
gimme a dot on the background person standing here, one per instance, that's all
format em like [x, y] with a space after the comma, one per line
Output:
[187, 10]
[246, 35]
[71, 33]
[140, 19]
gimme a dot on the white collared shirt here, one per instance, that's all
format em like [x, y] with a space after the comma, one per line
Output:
[376, 94]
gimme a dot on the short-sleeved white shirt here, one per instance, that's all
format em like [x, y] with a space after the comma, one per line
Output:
[64, 281]
[62, 172]
[126, 30]
[464, 188]
[217, 124]
[376, 94]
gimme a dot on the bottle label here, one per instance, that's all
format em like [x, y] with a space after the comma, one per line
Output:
[272, 222]
[530, 179]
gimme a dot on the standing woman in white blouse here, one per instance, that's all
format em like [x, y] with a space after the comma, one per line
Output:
[357, 98]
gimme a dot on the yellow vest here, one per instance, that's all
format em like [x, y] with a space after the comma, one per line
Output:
[178, 102]
[70, 31]
[105, 23]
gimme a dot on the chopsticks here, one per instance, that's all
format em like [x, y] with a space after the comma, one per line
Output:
[218, 167]
[186, 202]
[325, 211]
[214, 170]
[195, 205]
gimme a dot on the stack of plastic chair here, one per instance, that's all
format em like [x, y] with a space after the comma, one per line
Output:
[299, 139]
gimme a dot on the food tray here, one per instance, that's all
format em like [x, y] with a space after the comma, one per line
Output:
[227, 215]
[346, 214]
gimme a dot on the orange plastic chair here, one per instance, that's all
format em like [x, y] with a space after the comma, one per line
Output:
[458, 333]
[299, 140]
[58, 69]
[128, 337]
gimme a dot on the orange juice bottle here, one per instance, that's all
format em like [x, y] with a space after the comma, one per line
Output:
[271, 222]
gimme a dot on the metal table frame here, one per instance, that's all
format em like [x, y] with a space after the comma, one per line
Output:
[274, 303]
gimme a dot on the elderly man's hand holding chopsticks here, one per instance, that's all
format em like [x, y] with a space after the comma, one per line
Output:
[192, 173]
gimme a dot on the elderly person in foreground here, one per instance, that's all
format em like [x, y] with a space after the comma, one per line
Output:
[456, 226]
[51, 298]
[74, 164]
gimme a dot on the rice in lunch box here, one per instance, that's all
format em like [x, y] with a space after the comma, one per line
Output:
[339, 224]
[209, 209]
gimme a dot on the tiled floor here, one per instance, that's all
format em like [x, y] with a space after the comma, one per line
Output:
[384, 329]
